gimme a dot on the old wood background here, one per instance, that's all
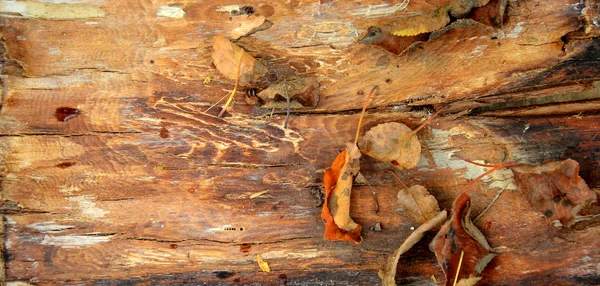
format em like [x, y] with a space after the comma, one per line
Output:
[141, 186]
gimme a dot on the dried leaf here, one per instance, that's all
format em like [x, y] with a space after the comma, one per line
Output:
[555, 189]
[418, 202]
[225, 56]
[457, 235]
[303, 92]
[388, 275]
[392, 142]
[264, 266]
[338, 186]
[246, 25]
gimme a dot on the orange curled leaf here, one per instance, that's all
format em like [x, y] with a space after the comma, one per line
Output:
[338, 185]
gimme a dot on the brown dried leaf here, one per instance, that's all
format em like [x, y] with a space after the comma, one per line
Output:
[264, 266]
[458, 235]
[225, 56]
[246, 25]
[303, 93]
[418, 202]
[338, 186]
[388, 274]
[555, 189]
[392, 142]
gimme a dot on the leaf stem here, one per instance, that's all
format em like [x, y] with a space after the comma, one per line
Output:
[496, 167]
[362, 114]
[237, 81]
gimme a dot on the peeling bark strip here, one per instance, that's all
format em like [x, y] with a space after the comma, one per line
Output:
[83, 195]
[49, 11]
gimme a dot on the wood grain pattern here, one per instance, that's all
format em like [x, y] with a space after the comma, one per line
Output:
[144, 187]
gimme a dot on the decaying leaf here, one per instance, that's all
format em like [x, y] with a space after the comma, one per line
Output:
[418, 202]
[459, 235]
[227, 56]
[388, 274]
[435, 18]
[264, 266]
[303, 92]
[338, 186]
[392, 142]
[555, 189]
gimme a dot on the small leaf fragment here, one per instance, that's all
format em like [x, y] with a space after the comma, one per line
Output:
[458, 235]
[555, 189]
[264, 266]
[258, 194]
[338, 186]
[392, 142]
[418, 202]
[158, 167]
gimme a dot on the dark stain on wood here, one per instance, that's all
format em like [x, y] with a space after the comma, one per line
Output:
[65, 165]
[64, 114]
[223, 274]
[164, 133]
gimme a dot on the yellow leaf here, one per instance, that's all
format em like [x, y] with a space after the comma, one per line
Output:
[158, 167]
[264, 266]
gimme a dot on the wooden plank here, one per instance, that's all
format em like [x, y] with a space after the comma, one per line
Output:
[142, 185]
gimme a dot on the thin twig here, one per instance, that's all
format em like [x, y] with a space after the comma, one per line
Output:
[216, 103]
[491, 203]
[374, 196]
[511, 163]
[399, 179]
[462, 253]
[473, 162]
[289, 103]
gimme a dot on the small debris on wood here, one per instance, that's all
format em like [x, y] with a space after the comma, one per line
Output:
[301, 91]
[264, 266]
[376, 227]
[258, 194]
[158, 167]
[65, 114]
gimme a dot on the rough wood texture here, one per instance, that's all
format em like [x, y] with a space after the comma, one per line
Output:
[140, 185]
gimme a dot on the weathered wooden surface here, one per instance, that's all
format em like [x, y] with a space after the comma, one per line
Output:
[143, 186]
